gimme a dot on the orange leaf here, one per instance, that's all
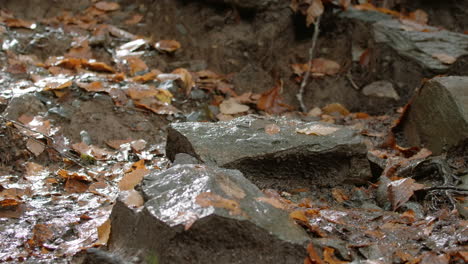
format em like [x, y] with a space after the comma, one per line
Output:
[272, 102]
[299, 215]
[186, 79]
[92, 87]
[419, 16]
[329, 256]
[313, 255]
[98, 66]
[103, 233]
[18, 23]
[207, 199]
[136, 65]
[135, 19]
[321, 66]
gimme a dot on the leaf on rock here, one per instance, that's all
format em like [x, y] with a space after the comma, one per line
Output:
[208, 199]
[419, 16]
[98, 66]
[92, 86]
[19, 23]
[54, 83]
[330, 109]
[330, 258]
[272, 129]
[167, 45]
[136, 64]
[318, 130]
[103, 233]
[400, 191]
[131, 198]
[313, 256]
[134, 19]
[445, 58]
[231, 106]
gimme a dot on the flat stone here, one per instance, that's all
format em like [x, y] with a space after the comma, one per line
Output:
[206, 215]
[278, 158]
[382, 89]
[422, 47]
[438, 117]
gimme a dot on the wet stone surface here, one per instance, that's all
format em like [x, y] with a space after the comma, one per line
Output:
[206, 215]
[285, 160]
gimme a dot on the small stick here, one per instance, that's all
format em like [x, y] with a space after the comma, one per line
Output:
[300, 95]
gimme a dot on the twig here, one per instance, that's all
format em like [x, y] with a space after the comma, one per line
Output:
[350, 79]
[451, 188]
[300, 95]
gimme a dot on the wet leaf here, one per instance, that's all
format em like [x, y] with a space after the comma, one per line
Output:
[230, 188]
[400, 191]
[76, 186]
[231, 106]
[272, 201]
[107, 6]
[318, 130]
[167, 45]
[134, 176]
[129, 47]
[208, 199]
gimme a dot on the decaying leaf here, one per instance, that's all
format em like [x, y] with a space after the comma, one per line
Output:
[107, 6]
[35, 147]
[318, 130]
[272, 129]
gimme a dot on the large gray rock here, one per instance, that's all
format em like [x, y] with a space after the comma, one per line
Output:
[203, 214]
[420, 47]
[438, 117]
[285, 160]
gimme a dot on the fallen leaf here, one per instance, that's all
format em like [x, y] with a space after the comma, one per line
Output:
[103, 233]
[208, 199]
[134, 176]
[167, 45]
[134, 19]
[272, 102]
[314, 11]
[19, 23]
[98, 66]
[400, 191]
[419, 16]
[322, 66]
[318, 130]
[330, 258]
[186, 79]
[136, 64]
[92, 87]
[445, 58]
[339, 195]
[330, 109]
[314, 257]
[299, 215]
[231, 106]
[35, 147]
[272, 129]
[107, 6]
[131, 198]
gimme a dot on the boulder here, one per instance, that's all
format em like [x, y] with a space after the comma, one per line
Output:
[438, 117]
[273, 153]
[203, 214]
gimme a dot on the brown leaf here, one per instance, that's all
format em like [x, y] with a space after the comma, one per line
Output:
[107, 6]
[314, 11]
[92, 87]
[19, 23]
[330, 109]
[98, 66]
[339, 195]
[103, 233]
[445, 58]
[131, 198]
[318, 129]
[400, 191]
[321, 66]
[167, 45]
[35, 147]
[272, 102]
[76, 186]
[136, 64]
[231, 106]
[186, 79]
[134, 19]
[419, 16]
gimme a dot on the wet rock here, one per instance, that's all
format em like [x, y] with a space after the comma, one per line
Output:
[281, 158]
[27, 104]
[203, 214]
[438, 117]
[184, 158]
[381, 89]
[424, 48]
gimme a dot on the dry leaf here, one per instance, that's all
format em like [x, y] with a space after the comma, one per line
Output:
[186, 79]
[330, 258]
[445, 58]
[321, 66]
[19, 23]
[419, 16]
[103, 233]
[272, 129]
[400, 191]
[107, 6]
[208, 199]
[335, 108]
[92, 87]
[314, 257]
[318, 129]
[231, 106]
[134, 176]
[314, 11]
[272, 102]
[131, 198]
[167, 45]
[135, 19]
[35, 147]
